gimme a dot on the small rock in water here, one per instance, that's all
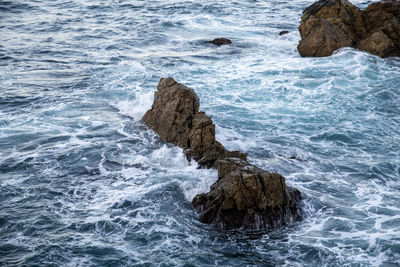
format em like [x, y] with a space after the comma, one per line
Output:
[220, 41]
[283, 32]
[244, 196]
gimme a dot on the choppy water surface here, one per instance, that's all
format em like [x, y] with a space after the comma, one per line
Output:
[84, 183]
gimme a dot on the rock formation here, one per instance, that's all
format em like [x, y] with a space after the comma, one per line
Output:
[283, 32]
[328, 25]
[220, 41]
[244, 195]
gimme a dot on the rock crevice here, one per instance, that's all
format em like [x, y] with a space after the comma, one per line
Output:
[244, 196]
[328, 25]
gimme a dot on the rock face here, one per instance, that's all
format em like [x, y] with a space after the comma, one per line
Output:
[328, 25]
[249, 197]
[244, 195]
[220, 41]
[175, 116]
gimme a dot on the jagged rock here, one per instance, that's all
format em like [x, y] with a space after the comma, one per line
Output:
[172, 112]
[220, 41]
[328, 25]
[175, 116]
[378, 43]
[249, 197]
[244, 195]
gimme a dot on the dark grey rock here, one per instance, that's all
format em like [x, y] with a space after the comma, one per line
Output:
[220, 41]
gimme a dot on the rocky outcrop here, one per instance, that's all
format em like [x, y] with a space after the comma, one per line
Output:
[175, 117]
[249, 197]
[244, 195]
[283, 32]
[328, 25]
[220, 41]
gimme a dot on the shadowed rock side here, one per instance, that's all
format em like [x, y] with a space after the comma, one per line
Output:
[244, 195]
[328, 25]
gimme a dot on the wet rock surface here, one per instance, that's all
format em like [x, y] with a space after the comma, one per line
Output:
[249, 197]
[244, 196]
[220, 41]
[328, 25]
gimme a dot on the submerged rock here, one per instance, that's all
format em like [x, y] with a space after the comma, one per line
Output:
[328, 25]
[283, 32]
[244, 195]
[220, 41]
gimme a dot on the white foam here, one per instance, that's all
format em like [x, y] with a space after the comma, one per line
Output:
[169, 157]
[135, 108]
[198, 181]
[193, 181]
[232, 140]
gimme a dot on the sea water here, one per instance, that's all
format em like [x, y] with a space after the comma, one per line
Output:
[83, 182]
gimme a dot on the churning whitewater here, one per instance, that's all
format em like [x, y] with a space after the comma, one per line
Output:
[83, 182]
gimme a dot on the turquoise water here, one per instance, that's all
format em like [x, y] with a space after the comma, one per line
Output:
[84, 183]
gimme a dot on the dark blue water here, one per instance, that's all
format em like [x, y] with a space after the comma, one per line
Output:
[84, 183]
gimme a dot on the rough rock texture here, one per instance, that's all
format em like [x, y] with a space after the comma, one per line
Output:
[249, 197]
[328, 25]
[220, 41]
[244, 195]
[175, 116]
